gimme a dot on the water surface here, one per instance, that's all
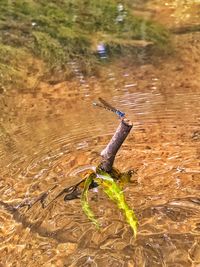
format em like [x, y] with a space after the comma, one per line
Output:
[48, 133]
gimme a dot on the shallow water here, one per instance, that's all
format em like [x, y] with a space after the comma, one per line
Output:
[54, 131]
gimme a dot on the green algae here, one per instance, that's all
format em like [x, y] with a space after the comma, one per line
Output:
[84, 200]
[114, 192]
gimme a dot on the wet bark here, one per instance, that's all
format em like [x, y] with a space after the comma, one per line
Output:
[109, 153]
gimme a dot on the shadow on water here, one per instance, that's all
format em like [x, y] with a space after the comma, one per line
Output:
[49, 132]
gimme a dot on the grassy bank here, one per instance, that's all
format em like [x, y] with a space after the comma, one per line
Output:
[56, 32]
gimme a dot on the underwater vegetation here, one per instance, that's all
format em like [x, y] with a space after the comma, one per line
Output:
[114, 192]
[57, 32]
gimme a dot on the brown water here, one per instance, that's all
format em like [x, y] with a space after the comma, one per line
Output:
[50, 133]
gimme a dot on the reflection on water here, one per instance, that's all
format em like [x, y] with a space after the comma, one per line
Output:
[48, 133]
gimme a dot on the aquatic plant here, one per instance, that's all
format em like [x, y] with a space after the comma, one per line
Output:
[84, 200]
[114, 192]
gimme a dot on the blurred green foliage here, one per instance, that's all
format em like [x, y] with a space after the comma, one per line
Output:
[58, 31]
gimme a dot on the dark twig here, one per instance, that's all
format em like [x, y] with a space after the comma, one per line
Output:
[109, 153]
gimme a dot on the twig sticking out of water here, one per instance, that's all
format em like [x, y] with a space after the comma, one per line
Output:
[80, 189]
[109, 153]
